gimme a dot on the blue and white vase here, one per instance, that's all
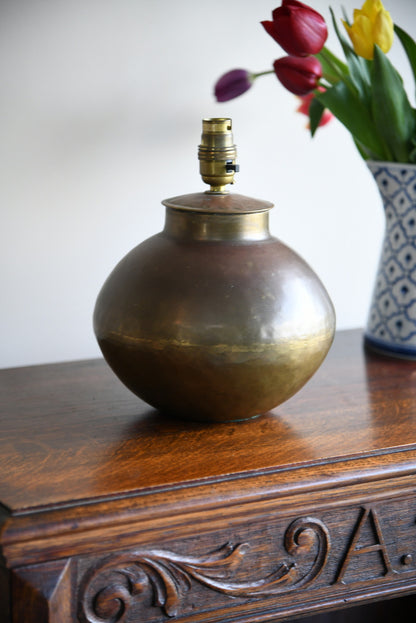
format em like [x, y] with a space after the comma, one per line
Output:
[391, 326]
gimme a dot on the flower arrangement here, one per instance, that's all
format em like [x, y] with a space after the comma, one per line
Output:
[365, 92]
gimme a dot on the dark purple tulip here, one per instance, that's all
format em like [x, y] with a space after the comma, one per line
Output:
[232, 84]
[299, 75]
[297, 28]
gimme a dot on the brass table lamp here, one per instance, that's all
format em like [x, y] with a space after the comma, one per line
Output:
[213, 318]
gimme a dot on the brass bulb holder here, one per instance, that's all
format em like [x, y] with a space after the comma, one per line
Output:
[217, 154]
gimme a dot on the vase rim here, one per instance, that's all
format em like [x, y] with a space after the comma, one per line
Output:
[387, 163]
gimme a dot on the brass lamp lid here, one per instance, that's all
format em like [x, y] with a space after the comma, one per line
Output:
[217, 164]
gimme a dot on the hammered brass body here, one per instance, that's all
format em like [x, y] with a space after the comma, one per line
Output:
[213, 318]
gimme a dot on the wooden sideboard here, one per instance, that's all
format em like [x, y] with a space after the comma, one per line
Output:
[112, 512]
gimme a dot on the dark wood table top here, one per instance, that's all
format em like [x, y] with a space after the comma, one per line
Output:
[103, 498]
[72, 432]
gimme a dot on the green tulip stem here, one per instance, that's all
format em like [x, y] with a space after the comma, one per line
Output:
[262, 73]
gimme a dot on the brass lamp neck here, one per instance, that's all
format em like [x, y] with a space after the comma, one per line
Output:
[188, 225]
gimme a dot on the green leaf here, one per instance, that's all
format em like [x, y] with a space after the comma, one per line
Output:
[316, 110]
[409, 47]
[332, 67]
[346, 48]
[393, 115]
[356, 117]
[360, 75]
[357, 66]
[345, 16]
[363, 151]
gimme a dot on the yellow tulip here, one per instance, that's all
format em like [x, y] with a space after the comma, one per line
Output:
[372, 25]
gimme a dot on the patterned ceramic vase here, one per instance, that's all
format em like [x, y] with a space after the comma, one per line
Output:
[391, 326]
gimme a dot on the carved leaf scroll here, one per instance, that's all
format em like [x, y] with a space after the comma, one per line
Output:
[109, 589]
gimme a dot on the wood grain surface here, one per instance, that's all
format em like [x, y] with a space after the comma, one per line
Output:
[111, 511]
[73, 432]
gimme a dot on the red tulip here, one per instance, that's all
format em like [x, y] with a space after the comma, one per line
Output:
[298, 75]
[297, 28]
[305, 104]
[232, 84]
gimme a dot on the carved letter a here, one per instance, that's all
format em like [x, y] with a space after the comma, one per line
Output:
[379, 546]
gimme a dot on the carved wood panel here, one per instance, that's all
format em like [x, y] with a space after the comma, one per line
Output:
[116, 584]
[270, 566]
[273, 564]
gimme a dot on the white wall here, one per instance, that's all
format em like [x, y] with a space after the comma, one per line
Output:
[101, 104]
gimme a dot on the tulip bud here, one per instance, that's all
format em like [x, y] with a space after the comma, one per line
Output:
[298, 75]
[232, 84]
[297, 28]
[372, 25]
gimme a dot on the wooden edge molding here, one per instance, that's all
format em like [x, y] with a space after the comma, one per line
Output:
[61, 534]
